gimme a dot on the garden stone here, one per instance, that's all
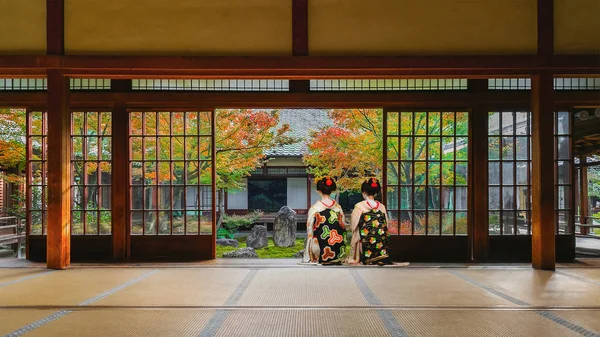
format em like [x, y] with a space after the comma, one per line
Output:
[284, 227]
[227, 242]
[299, 254]
[258, 237]
[242, 253]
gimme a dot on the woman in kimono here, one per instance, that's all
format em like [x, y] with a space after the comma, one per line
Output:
[326, 231]
[370, 238]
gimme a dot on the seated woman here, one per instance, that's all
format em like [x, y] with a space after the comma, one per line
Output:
[326, 240]
[370, 238]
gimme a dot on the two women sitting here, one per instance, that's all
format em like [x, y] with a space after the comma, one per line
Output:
[326, 242]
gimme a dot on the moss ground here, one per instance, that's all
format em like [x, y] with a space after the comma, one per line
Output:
[269, 252]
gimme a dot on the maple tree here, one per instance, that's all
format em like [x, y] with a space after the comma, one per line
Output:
[241, 137]
[12, 138]
[12, 153]
[352, 150]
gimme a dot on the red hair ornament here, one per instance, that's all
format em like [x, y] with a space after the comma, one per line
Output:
[328, 182]
[373, 183]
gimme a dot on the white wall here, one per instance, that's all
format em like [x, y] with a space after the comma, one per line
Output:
[296, 193]
[238, 199]
[314, 196]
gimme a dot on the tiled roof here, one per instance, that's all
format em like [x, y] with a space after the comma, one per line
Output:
[302, 122]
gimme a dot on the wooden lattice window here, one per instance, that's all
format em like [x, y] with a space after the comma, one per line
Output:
[405, 84]
[37, 181]
[563, 167]
[91, 154]
[509, 173]
[426, 172]
[171, 173]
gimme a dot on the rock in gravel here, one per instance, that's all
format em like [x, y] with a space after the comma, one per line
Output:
[299, 254]
[227, 242]
[242, 253]
[258, 237]
[284, 227]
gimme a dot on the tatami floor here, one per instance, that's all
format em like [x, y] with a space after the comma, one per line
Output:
[282, 298]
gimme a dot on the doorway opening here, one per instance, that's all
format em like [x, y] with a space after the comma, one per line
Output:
[297, 146]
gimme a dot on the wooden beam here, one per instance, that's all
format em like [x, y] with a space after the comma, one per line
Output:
[59, 180]
[479, 177]
[567, 99]
[23, 99]
[121, 85]
[157, 99]
[299, 67]
[120, 181]
[55, 27]
[587, 150]
[543, 190]
[585, 129]
[499, 99]
[459, 99]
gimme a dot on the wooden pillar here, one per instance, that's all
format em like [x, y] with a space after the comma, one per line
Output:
[119, 182]
[299, 40]
[59, 180]
[543, 237]
[542, 175]
[583, 194]
[120, 174]
[478, 165]
[55, 27]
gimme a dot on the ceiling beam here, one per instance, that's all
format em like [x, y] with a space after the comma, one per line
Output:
[587, 150]
[301, 67]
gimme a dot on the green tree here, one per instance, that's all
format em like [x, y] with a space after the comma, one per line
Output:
[12, 154]
[351, 150]
[241, 136]
[12, 139]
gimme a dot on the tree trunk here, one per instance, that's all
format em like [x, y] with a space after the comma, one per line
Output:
[221, 205]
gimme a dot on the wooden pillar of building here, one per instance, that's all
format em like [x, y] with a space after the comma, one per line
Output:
[542, 175]
[583, 194]
[478, 165]
[543, 234]
[59, 181]
[299, 40]
[120, 176]
[58, 239]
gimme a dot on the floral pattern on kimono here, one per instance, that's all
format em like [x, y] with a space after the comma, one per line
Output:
[380, 235]
[326, 234]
